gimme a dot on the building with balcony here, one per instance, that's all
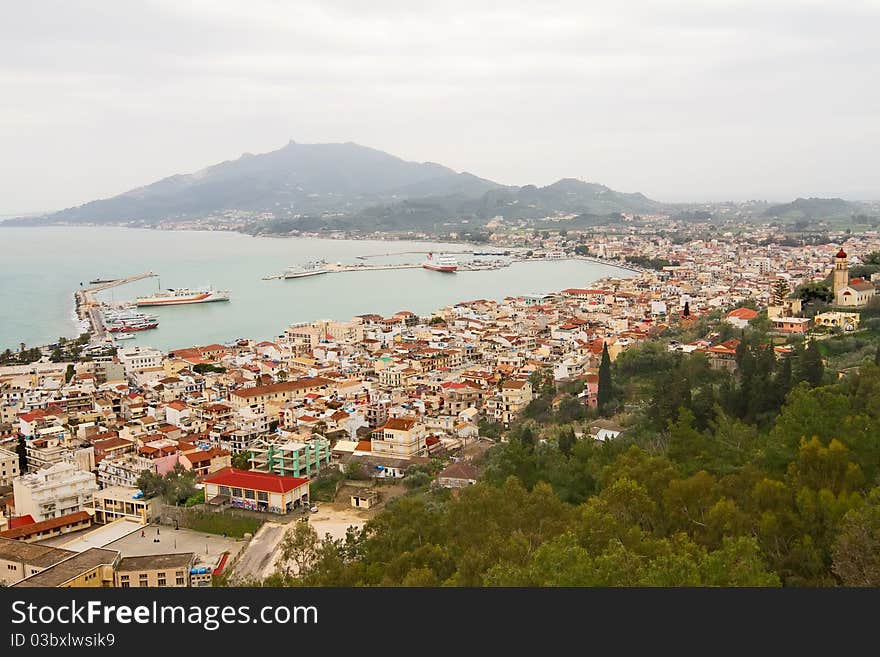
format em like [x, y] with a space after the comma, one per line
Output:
[402, 437]
[117, 502]
[56, 491]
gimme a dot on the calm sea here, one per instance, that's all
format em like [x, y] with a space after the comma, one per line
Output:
[42, 267]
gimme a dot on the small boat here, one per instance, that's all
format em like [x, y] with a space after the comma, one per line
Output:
[124, 336]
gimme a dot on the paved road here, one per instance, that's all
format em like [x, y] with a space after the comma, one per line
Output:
[258, 559]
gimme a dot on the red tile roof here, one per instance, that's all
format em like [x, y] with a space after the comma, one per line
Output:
[743, 313]
[46, 525]
[264, 481]
[21, 521]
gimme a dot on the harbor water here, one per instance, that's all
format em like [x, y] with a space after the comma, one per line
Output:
[41, 268]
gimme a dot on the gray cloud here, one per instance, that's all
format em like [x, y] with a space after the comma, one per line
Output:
[682, 100]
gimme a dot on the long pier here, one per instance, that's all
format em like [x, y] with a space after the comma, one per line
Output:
[87, 307]
[396, 253]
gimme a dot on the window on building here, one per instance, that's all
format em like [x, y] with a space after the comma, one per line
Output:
[263, 496]
[180, 581]
[236, 492]
[249, 494]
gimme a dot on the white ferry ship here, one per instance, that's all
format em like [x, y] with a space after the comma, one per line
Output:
[309, 269]
[183, 295]
[444, 263]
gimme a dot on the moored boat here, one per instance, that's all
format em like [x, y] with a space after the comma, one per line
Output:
[183, 295]
[313, 268]
[444, 263]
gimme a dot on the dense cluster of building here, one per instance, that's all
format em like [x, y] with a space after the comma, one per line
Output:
[382, 392]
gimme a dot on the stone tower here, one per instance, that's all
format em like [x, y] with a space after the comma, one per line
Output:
[841, 272]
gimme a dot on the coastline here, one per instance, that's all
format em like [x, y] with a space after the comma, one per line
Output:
[547, 277]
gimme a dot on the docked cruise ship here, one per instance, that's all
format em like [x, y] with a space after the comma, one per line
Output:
[444, 263]
[183, 295]
[309, 269]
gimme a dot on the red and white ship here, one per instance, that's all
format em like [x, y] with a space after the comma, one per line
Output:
[182, 295]
[445, 263]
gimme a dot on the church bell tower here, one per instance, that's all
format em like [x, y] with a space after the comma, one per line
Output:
[841, 272]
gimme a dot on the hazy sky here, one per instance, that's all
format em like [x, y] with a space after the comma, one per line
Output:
[681, 100]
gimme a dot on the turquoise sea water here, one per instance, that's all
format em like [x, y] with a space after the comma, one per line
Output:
[40, 268]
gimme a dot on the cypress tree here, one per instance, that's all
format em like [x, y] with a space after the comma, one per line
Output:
[21, 450]
[605, 393]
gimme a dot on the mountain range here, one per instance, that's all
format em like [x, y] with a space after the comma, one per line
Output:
[368, 187]
[311, 187]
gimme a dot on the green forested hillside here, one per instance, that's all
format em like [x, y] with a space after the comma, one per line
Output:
[766, 478]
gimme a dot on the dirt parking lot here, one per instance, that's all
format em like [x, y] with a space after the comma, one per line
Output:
[260, 557]
[335, 518]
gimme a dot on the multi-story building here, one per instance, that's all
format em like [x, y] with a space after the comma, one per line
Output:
[55, 491]
[123, 470]
[513, 398]
[307, 336]
[8, 467]
[108, 368]
[117, 502]
[137, 359]
[279, 393]
[289, 457]
[402, 437]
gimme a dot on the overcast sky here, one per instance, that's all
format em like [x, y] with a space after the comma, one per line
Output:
[682, 100]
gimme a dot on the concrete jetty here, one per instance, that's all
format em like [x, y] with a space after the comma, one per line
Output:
[87, 307]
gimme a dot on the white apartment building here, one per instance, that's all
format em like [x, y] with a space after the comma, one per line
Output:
[137, 359]
[56, 491]
[123, 470]
[8, 467]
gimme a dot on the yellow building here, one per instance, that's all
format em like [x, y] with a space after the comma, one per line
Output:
[92, 568]
[157, 570]
[834, 319]
[8, 467]
[19, 559]
[115, 502]
[401, 437]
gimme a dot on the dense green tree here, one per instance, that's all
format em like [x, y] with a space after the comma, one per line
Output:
[298, 549]
[242, 460]
[856, 551]
[566, 440]
[811, 368]
[175, 487]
